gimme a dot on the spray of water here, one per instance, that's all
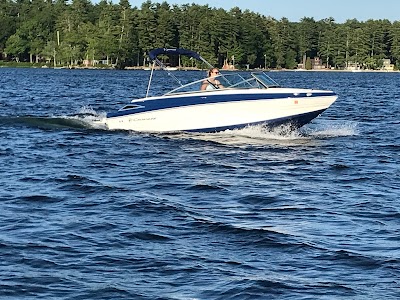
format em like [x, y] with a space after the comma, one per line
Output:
[89, 118]
[331, 128]
[282, 135]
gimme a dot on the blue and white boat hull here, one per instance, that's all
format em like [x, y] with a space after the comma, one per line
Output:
[221, 109]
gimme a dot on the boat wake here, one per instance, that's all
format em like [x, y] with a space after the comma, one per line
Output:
[282, 135]
[86, 118]
[90, 118]
[331, 128]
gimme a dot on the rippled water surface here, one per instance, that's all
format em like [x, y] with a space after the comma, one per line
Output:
[87, 213]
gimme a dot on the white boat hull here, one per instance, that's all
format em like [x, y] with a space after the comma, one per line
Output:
[250, 107]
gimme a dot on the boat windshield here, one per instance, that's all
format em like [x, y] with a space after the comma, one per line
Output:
[264, 79]
[254, 80]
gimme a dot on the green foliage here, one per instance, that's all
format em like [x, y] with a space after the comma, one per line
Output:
[307, 37]
[395, 41]
[308, 64]
[76, 32]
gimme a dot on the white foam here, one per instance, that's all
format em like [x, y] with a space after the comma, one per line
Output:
[331, 128]
[284, 132]
[87, 110]
[90, 117]
[251, 135]
[283, 135]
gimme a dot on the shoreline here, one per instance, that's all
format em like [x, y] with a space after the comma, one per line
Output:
[141, 68]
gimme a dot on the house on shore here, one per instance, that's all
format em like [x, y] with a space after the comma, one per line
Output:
[387, 65]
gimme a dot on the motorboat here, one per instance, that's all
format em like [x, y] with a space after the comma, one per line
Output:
[246, 99]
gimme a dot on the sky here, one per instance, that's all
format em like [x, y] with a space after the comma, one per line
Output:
[294, 10]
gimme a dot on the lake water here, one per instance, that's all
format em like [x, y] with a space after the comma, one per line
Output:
[249, 214]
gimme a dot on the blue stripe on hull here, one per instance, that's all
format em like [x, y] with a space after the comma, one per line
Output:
[295, 122]
[203, 98]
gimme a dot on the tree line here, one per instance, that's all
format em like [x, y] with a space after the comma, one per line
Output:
[70, 32]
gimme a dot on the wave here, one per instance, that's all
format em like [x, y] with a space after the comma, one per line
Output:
[257, 287]
[38, 198]
[259, 135]
[86, 118]
[350, 258]
[146, 236]
[331, 128]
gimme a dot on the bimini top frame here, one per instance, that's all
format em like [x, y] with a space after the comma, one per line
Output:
[177, 51]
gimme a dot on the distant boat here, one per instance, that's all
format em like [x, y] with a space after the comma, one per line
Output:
[171, 68]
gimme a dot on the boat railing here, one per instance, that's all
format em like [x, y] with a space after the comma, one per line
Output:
[233, 80]
[189, 87]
